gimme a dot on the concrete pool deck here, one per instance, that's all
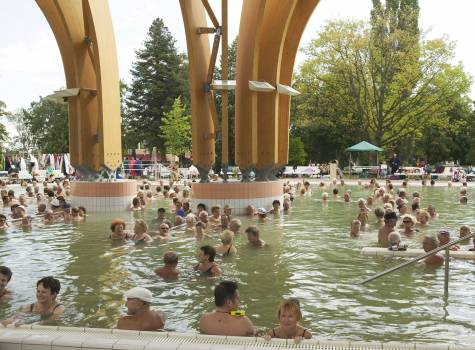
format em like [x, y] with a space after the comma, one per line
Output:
[36, 337]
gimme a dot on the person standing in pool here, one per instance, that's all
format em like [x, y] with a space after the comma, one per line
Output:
[46, 305]
[168, 271]
[390, 220]
[5, 277]
[140, 316]
[430, 243]
[206, 265]
[289, 316]
[225, 320]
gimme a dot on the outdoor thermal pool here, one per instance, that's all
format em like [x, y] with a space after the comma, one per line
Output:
[309, 256]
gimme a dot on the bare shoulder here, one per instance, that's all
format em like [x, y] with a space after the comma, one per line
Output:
[249, 326]
[124, 322]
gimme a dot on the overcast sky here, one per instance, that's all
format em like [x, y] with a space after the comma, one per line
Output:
[30, 64]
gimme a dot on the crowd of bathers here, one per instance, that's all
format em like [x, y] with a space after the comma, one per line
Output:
[398, 216]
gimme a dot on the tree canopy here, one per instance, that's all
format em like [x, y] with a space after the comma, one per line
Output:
[44, 126]
[377, 81]
[176, 129]
[159, 75]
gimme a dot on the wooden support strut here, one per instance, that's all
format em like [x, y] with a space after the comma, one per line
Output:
[205, 30]
[214, 56]
[210, 13]
[224, 93]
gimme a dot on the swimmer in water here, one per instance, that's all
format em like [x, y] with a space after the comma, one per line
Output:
[253, 237]
[206, 265]
[168, 271]
[408, 223]
[227, 247]
[46, 305]
[5, 277]
[289, 316]
[117, 228]
[141, 232]
[429, 243]
[3, 222]
[355, 229]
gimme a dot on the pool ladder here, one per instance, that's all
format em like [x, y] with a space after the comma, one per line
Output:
[432, 252]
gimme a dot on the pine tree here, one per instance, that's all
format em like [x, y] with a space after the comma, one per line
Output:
[176, 129]
[159, 75]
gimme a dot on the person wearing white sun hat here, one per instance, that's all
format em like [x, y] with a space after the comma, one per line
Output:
[139, 314]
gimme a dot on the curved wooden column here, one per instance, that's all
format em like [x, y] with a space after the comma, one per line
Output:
[302, 12]
[84, 34]
[245, 133]
[203, 131]
[276, 19]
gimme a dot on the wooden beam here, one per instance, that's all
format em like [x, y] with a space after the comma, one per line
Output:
[224, 76]
[212, 108]
[205, 30]
[210, 12]
[212, 60]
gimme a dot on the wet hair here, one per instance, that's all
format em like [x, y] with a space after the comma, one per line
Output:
[227, 236]
[224, 291]
[116, 222]
[50, 283]
[415, 206]
[158, 189]
[390, 215]
[291, 305]
[3, 217]
[276, 201]
[210, 251]
[142, 224]
[161, 210]
[335, 191]
[82, 208]
[170, 258]
[252, 230]
[135, 201]
[6, 272]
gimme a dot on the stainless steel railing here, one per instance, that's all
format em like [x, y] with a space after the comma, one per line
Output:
[416, 259]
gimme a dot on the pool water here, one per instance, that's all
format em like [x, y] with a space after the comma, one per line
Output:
[309, 256]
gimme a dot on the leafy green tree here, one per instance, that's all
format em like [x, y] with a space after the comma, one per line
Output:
[297, 155]
[159, 75]
[44, 126]
[176, 129]
[377, 91]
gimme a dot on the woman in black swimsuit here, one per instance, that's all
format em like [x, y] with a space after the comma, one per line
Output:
[226, 248]
[206, 266]
[46, 305]
[289, 315]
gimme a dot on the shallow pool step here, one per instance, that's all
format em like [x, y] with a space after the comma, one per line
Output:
[75, 338]
[412, 253]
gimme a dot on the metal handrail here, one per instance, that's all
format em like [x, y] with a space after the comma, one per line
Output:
[416, 259]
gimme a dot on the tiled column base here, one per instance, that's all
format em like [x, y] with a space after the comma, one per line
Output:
[237, 194]
[103, 196]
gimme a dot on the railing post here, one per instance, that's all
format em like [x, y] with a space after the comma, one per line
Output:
[446, 276]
